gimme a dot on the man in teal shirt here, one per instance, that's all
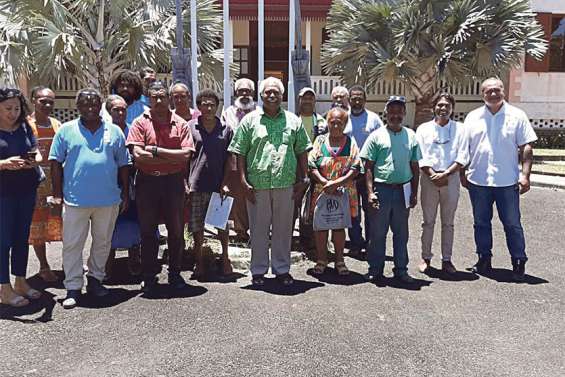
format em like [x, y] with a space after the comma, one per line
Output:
[391, 157]
[272, 147]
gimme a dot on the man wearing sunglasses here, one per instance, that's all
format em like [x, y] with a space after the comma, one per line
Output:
[444, 151]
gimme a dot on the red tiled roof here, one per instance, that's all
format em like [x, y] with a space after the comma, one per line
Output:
[247, 9]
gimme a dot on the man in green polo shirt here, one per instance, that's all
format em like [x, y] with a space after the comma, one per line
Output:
[272, 147]
[391, 157]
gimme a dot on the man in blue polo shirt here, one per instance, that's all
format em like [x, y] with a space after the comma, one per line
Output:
[87, 157]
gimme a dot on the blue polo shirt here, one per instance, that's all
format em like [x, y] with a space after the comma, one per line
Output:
[90, 163]
[360, 126]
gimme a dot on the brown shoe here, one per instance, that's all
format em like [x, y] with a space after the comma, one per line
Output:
[448, 267]
[423, 267]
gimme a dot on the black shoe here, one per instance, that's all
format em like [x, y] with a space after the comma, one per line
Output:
[258, 280]
[149, 285]
[373, 277]
[483, 265]
[518, 270]
[285, 279]
[176, 281]
[95, 287]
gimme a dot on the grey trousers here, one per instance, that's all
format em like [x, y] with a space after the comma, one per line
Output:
[446, 197]
[271, 215]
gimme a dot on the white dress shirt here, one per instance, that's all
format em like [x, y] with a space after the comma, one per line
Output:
[493, 144]
[441, 146]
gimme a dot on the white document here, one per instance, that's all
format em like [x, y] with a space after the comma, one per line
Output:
[218, 211]
[407, 188]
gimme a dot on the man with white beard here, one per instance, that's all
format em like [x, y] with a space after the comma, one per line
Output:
[244, 104]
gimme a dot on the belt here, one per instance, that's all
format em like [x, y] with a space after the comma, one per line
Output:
[159, 173]
[391, 185]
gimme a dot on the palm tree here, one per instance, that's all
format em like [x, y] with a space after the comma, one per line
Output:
[429, 44]
[90, 39]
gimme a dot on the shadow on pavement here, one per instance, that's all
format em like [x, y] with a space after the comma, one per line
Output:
[272, 286]
[504, 275]
[458, 276]
[395, 283]
[330, 276]
[164, 292]
[217, 278]
[45, 303]
[116, 296]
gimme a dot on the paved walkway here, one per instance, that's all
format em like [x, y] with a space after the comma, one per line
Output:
[550, 181]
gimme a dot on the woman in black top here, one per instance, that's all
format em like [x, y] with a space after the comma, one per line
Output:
[19, 179]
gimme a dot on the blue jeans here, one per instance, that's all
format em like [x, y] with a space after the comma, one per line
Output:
[15, 220]
[355, 232]
[393, 214]
[507, 201]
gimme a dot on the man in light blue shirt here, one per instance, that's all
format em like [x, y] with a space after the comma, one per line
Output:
[360, 125]
[88, 155]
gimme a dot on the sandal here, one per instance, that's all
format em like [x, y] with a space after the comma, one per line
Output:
[319, 268]
[31, 293]
[341, 269]
[47, 275]
[285, 279]
[17, 301]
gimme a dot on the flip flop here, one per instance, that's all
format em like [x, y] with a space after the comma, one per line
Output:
[341, 269]
[17, 301]
[319, 268]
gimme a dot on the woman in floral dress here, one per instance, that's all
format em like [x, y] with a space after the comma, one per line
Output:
[334, 163]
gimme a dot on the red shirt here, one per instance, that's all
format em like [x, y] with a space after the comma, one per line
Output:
[174, 134]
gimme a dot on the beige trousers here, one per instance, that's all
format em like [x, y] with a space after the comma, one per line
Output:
[447, 198]
[271, 215]
[76, 223]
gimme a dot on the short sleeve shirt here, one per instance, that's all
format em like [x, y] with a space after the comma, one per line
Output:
[17, 143]
[314, 124]
[207, 164]
[493, 141]
[392, 153]
[90, 163]
[441, 146]
[359, 127]
[174, 134]
[271, 147]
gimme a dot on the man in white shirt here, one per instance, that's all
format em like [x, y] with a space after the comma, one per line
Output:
[359, 126]
[444, 151]
[495, 133]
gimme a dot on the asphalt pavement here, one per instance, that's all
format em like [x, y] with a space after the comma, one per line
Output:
[467, 325]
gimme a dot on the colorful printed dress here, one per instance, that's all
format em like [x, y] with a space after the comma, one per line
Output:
[335, 163]
[45, 226]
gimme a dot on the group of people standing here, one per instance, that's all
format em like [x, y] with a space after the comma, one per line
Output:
[144, 157]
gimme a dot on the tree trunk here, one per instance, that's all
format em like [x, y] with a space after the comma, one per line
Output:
[424, 109]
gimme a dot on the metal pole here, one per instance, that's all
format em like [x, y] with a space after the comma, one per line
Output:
[291, 42]
[193, 48]
[261, 46]
[227, 53]
[180, 39]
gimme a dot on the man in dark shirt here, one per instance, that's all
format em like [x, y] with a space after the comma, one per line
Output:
[210, 166]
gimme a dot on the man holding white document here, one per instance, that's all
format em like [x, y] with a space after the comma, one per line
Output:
[210, 167]
[391, 156]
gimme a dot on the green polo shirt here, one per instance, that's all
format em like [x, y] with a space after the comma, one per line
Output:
[392, 153]
[271, 147]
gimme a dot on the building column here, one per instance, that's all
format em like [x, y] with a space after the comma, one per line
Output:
[261, 47]
[291, 42]
[228, 52]
[309, 43]
[193, 48]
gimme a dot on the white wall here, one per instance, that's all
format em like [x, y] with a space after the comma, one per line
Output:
[548, 6]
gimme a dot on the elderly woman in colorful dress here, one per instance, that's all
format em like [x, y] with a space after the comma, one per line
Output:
[45, 226]
[19, 178]
[334, 163]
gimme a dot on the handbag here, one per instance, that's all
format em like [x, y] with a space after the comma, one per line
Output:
[332, 211]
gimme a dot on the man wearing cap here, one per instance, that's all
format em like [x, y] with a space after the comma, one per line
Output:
[360, 125]
[272, 158]
[391, 156]
[495, 133]
[162, 145]
[243, 105]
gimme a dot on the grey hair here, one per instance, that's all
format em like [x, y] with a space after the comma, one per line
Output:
[339, 110]
[111, 98]
[340, 89]
[271, 81]
[182, 85]
[88, 91]
[244, 81]
[492, 79]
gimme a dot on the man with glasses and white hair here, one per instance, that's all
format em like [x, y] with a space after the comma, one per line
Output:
[340, 97]
[272, 147]
[444, 151]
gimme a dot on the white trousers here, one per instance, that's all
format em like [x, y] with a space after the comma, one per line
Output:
[76, 223]
[271, 215]
[446, 197]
